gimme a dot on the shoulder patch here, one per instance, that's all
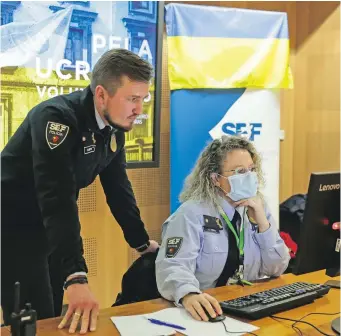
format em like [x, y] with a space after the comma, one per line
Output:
[173, 246]
[212, 224]
[55, 134]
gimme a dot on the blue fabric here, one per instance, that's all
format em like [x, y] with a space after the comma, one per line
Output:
[193, 114]
[224, 22]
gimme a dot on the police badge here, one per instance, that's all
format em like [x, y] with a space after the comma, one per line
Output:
[55, 134]
[173, 246]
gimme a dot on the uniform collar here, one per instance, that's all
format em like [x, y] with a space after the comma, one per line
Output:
[87, 107]
[94, 122]
[99, 120]
[229, 209]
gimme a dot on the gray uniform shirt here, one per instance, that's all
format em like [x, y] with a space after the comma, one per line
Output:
[193, 254]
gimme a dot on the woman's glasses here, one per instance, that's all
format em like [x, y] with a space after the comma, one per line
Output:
[241, 170]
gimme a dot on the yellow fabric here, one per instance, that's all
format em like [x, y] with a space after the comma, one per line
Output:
[202, 62]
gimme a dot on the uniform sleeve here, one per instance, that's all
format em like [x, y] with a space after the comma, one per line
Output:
[274, 253]
[176, 261]
[53, 136]
[121, 200]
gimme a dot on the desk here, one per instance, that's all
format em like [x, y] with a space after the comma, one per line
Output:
[328, 304]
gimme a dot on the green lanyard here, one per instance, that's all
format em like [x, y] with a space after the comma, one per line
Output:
[240, 243]
[240, 237]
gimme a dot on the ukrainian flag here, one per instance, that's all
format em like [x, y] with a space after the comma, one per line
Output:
[216, 47]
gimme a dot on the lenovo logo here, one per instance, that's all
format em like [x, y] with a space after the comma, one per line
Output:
[325, 187]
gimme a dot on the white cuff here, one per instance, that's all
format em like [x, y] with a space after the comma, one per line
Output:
[77, 273]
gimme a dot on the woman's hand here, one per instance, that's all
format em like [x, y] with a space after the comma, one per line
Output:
[193, 303]
[255, 211]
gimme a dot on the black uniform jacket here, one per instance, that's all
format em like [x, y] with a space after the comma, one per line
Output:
[57, 150]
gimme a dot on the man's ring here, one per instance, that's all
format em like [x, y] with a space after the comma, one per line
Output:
[77, 314]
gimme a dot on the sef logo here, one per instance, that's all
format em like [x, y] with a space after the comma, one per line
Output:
[250, 129]
[174, 241]
[57, 127]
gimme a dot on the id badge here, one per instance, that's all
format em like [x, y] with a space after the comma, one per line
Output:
[232, 281]
[240, 272]
[237, 276]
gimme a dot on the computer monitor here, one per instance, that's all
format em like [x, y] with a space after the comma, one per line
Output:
[319, 240]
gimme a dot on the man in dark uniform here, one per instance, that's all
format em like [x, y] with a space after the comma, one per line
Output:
[61, 146]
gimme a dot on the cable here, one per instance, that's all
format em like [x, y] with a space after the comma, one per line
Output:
[297, 329]
[237, 332]
[300, 321]
[329, 314]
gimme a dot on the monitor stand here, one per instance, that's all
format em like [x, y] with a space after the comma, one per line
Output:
[333, 272]
[336, 325]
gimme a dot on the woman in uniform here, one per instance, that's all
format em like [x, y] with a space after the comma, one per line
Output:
[223, 233]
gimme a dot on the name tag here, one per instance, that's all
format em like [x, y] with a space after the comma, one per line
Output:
[89, 149]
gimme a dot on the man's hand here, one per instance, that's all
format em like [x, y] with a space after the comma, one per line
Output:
[193, 303]
[151, 248]
[82, 306]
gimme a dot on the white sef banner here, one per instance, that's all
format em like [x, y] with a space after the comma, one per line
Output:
[256, 115]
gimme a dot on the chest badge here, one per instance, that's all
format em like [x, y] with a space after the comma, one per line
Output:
[212, 224]
[113, 143]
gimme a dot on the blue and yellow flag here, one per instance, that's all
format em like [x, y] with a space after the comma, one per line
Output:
[216, 47]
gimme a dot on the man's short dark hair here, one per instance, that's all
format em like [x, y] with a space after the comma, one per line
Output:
[116, 63]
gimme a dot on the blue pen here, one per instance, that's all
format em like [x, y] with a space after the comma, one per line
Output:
[166, 324]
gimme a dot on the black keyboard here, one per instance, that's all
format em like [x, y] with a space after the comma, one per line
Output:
[274, 300]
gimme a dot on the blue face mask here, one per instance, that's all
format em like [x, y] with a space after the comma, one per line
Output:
[243, 186]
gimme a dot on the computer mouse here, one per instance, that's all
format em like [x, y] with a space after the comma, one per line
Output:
[218, 318]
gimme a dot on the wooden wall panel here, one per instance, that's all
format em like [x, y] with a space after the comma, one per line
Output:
[287, 104]
[317, 93]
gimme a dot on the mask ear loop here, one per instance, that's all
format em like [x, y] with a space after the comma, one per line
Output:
[217, 184]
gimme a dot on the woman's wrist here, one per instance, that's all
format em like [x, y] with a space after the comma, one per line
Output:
[263, 226]
[189, 294]
[261, 221]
